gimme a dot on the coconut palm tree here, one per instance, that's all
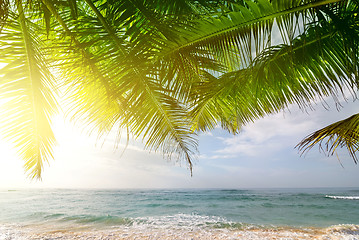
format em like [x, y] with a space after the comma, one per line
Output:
[164, 70]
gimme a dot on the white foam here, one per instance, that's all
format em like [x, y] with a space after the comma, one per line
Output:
[343, 232]
[343, 197]
[10, 232]
[178, 221]
[344, 228]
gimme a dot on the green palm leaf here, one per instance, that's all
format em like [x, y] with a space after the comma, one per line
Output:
[317, 64]
[237, 37]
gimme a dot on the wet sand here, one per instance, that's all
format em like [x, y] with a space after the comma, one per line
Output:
[349, 232]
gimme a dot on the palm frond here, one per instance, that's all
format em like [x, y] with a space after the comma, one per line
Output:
[28, 93]
[136, 99]
[214, 104]
[236, 38]
[4, 12]
[341, 134]
[317, 64]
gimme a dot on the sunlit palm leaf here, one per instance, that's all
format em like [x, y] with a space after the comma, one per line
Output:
[136, 101]
[28, 94]
[4, 12]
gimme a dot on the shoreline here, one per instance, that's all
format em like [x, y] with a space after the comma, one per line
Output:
[45, 231]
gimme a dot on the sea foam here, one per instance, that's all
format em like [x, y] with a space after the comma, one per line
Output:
[343, 197]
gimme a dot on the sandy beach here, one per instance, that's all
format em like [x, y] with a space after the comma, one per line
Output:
[349, 232]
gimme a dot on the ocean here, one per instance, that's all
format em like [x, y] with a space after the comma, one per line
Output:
[325, 213]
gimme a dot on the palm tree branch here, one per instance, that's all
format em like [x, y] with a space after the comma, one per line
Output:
[30, 103]
[344, 133]
[150, 92]
[91, 61]
[235, 26]
[4, 12]
[280, 76]
[173, 129]
[110, 30]
[36, 159]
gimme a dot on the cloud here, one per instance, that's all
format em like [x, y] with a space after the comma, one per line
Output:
[277, 133]
[270, 134]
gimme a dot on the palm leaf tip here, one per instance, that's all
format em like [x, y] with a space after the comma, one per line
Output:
[34, 168]
[341, 134]
[4, 12]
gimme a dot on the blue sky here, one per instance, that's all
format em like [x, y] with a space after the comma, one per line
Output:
[262, 155]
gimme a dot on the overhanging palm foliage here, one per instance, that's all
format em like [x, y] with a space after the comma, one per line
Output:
[314, 64]
[163, 70]
[28, 93]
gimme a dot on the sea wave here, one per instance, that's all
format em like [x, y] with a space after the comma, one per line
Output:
[176, 221]
[186, 221]
[343, 197]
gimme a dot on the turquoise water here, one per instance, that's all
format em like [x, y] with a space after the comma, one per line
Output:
[278, 207]
[215, 209]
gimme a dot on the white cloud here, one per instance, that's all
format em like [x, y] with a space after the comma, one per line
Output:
[270, 134]
[278, 132]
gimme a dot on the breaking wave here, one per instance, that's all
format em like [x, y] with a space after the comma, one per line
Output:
[343, 197]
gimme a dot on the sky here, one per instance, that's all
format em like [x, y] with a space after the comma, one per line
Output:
[262, 155]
